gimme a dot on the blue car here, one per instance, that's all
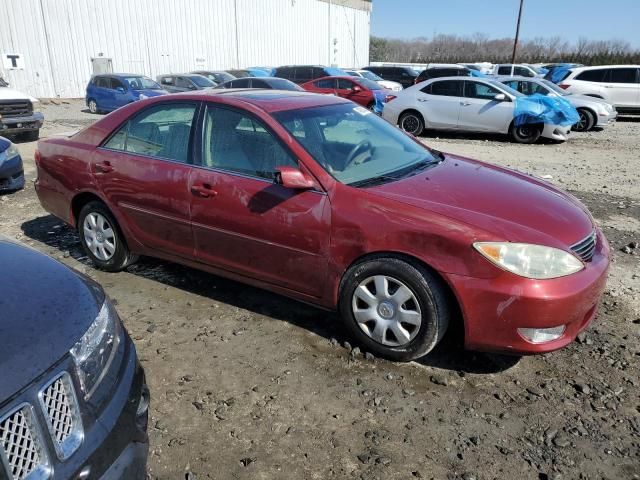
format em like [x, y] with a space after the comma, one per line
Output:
[74, 402]
[108, 92]
[11, 171]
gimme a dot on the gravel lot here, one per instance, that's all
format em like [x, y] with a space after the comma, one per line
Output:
[249, 385]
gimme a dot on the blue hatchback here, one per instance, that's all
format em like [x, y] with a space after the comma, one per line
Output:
[111, 91]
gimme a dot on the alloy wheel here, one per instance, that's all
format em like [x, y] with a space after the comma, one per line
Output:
[410, 124]
[93, 106]
[99, 236]
[387, 310]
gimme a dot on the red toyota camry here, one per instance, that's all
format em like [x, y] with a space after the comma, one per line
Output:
[362, 91]
[316, 198]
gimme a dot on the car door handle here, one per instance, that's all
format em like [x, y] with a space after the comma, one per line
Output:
[423, 99]
[465, 104]
[203, 190]
[104, 167]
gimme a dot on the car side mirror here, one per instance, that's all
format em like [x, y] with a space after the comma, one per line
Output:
[120, 89]
[294, 178]
[500, 97]
[356, 89]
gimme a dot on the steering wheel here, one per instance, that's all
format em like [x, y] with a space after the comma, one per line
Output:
[364, 144]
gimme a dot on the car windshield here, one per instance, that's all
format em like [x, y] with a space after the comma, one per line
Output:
[142, 83]
[354, 145]
[554, 87]
[201, 81]
[282, 84]
[369, 84]
[370, 75]
[335, 72]
[505, 88]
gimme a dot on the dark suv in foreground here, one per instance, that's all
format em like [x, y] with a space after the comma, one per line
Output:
[73, 397]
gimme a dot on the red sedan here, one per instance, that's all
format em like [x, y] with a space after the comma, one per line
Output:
[363, 91]
[316, 198]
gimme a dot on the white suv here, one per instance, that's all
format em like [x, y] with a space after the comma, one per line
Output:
[617, 84]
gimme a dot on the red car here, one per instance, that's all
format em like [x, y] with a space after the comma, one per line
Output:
[316, 198]
[363, 91]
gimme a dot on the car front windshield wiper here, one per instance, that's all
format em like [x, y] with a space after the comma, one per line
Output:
[370, 182]
[410, 171]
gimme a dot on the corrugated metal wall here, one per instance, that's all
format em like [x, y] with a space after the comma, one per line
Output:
[58, 38]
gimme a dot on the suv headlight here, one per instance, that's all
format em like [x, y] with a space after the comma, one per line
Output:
[530, 261]
[94, 352]
[35, 106]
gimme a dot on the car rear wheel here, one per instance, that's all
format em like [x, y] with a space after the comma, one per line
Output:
[412, 122]
[395, 309]
[102, 238]
[586, 122]
[528, 133]
[93, 106]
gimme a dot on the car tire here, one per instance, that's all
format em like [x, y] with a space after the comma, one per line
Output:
[93, 106]
[586, 122]
[102, 239]
[411, 122]
[528, 133]
[397, 331]
[31, 136]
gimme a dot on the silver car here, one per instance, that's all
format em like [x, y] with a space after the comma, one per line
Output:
[594, 112]
[466, 104]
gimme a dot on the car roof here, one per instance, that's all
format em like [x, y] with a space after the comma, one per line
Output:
[120, 75]
[500, 78]
[593, 67]
[266, 99]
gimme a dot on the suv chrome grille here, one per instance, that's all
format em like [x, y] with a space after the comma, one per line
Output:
[60, 408]
[13, 108]
[21, 451]
[585, 248]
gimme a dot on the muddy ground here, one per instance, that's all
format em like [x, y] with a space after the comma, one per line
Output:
[250, 385]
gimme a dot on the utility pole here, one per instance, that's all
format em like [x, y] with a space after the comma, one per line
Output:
[515, 42]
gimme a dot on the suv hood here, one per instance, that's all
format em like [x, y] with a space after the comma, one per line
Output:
[505, 204]
[11, 94]
[45, 308]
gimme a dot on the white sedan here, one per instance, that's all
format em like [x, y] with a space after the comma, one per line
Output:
[466, 104]
[388, 84]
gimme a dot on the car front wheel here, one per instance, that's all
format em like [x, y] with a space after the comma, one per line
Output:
[412, 122]
[586, 122]
[102, 239]
[395, 309]
[528, 133]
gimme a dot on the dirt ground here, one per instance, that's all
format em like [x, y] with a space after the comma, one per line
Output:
[249, 385]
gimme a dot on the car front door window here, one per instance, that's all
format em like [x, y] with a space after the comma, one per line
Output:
[237, 142]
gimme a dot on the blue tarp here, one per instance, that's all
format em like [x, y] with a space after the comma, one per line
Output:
[477, 73]
[538, 108]
[380, 97]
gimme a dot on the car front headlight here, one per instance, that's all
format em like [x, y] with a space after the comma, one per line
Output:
[35, 106]
[94, 352]
[530, 261]
[9, 153]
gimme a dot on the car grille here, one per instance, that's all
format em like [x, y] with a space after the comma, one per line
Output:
[585, 248]
[60, 408]
[12, 108]
[21, 452]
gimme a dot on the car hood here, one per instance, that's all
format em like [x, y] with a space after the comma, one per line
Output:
[11, 94]
[389, 84]
[586, 101]
[45, 308]
[151, 92]
[505, 204]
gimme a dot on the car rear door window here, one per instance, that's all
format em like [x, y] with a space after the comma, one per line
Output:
[182, 82]
[102, 82]
[116, 83]
[167, 81]
[596, 75]
[480, 90]
[304, 74]
[447, 88]
[622, 75]
[241, 83]
[161, 131]
[256, 83]
[325, 83]
[237, 142]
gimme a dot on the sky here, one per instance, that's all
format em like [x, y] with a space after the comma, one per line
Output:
[570, 19]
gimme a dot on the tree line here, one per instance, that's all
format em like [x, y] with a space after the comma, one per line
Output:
[480, 48]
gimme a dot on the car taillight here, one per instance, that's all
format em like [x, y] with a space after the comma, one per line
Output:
[564, 86]
[37, 157]
[388, 98]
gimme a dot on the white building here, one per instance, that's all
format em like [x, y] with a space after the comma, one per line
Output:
[50, 48]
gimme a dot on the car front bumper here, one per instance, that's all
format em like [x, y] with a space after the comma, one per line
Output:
[556, 132]
[11, 174]
[495, 308]
[604, 120]
[27, 123]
